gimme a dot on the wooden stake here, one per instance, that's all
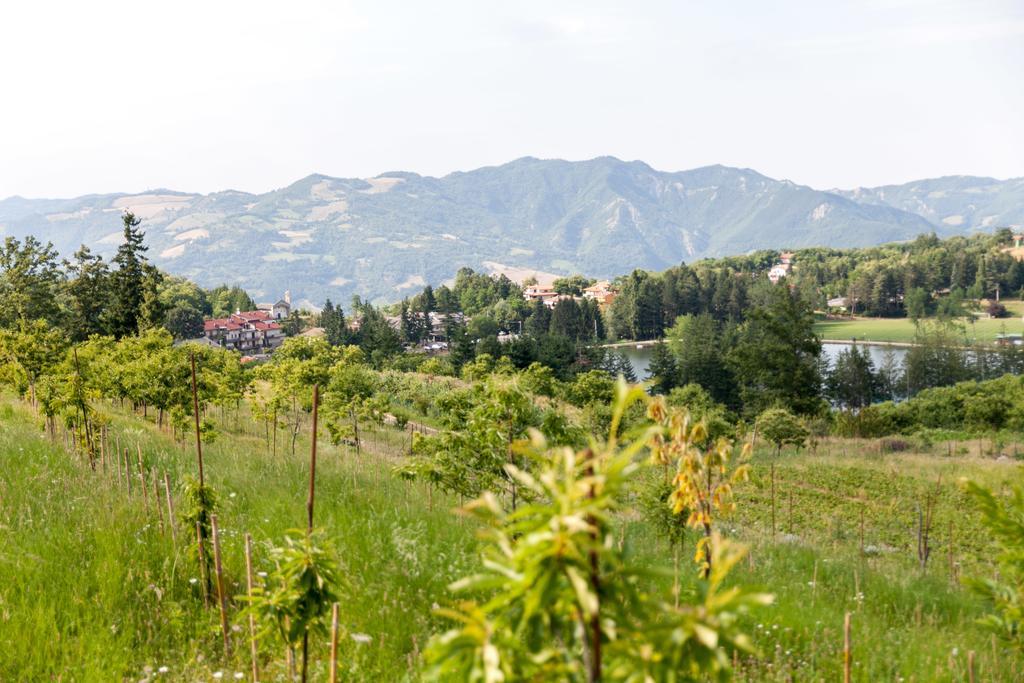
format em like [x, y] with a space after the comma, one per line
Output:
[253, 651]
[773, 501]
[289, 656]
[847, 649]
[156, 501]
[334, 644]
[103, 449]
[222, 599]
[309, 508]
[594, 668]
[128, 471]
[195, 411]
[170, 507]
[312, 462]
[142, 480]
[970, 666]
[952, 567]
[202, 563]
[862, 530]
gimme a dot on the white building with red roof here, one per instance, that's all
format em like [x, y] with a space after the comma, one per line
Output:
[251, 331]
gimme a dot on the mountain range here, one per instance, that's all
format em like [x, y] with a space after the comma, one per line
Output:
[387, 236]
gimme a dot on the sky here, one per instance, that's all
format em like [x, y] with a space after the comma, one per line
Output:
[202, 96]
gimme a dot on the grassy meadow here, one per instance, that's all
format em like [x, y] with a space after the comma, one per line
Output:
[96, 589]
[901, 330]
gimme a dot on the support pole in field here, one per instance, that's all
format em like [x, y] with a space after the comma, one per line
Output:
[202, 564]
[222, 598]
[312, 461]
[334, 644]
[128, 470]
[142, 481]
[195, 411]
[156, 501]
[790, 510]
[847, 649]
[952, 567]
[862, 530]
[170, 507]
[594, 627]
[253, 651]
[970, 666]
[103, 449]
[309, 508]
[773, 501]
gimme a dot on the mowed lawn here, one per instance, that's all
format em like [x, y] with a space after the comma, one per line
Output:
[902, 329]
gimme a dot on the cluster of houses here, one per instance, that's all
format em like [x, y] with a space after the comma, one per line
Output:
[782, 268]
[258, 332]
[601, 292]
[250, 332]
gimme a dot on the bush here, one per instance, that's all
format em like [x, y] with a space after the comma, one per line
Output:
[590, 387]
[781, 427]
[437, 366]
[997, 310]
[893, 445]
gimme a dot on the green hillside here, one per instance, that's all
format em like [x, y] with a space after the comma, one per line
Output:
[102, 591]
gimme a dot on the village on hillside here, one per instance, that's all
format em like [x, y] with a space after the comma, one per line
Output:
[256, 334]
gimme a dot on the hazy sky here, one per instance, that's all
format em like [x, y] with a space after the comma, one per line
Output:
[124, 96]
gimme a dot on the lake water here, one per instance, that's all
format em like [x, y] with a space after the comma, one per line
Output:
[641, 358]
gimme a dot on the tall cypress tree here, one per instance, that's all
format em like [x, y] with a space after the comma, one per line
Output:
[129, 279]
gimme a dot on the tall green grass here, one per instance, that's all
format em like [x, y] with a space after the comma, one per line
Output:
[91, 590]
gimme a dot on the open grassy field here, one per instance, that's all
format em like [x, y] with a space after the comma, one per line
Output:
[94, 589]
[902, 329]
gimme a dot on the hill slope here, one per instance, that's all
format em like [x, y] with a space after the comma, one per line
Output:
[969, 203]
[385, 236]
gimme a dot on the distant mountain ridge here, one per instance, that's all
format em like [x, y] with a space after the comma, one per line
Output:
[387, 236]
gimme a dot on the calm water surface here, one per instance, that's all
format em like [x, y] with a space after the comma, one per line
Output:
[641, 358]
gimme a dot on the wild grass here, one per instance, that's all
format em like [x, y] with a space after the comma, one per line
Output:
[91, 589]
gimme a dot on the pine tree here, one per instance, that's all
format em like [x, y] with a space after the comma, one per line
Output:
[699, 346]
[539, 321]
[332, 319]
[129, 286]
[152, 310]
[406, 326]
[566, 319]
[775, 359]
[88, 291]
[663, 370]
